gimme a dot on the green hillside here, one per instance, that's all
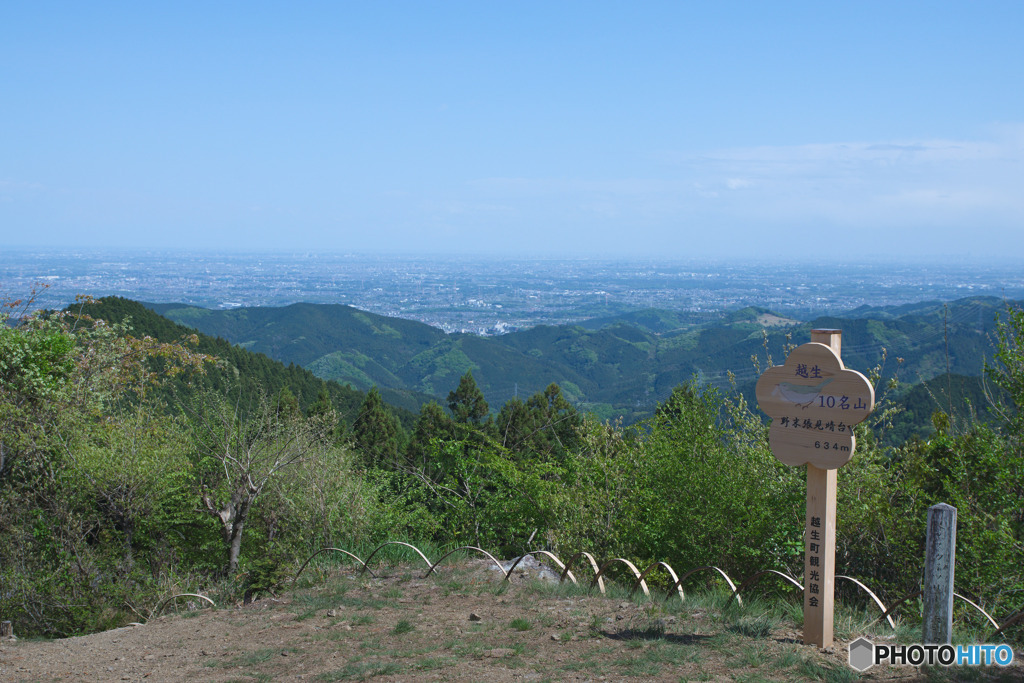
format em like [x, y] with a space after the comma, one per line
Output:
[963, 400]
[248, 368]
[617, 366]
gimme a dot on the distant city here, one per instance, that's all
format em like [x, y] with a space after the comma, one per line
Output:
[490, 295]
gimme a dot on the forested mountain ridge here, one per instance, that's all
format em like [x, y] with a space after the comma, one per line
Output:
[613, 366]
[250, 368]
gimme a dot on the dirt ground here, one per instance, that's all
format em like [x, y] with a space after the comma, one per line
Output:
[460, 624]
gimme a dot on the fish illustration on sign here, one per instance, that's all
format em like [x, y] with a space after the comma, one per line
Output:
[839, 399]
[800, 394]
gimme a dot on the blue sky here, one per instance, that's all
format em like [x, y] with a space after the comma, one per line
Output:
[671, 129]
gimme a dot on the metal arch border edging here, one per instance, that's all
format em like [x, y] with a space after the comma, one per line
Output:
[885, 614]
[163, 604]
[671, 573]
[679, 582]
[547, 554]
[750, 580]
[337, 550]
[384, 545]
[593, 563]
[639, 583]
[896, 605]
[632, 567]
[978, 607]
[452, 552]
[899, 603]
[1014, 618]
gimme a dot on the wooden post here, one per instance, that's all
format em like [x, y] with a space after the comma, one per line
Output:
[940, 553]
[820, 556]
[820, 536]
[6, 630]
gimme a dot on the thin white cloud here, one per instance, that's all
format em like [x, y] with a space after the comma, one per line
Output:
[869, 192]
[953, 164]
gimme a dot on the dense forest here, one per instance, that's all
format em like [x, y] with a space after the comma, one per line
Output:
[139, 459]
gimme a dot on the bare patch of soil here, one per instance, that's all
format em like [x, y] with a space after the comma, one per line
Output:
[460, 624]
[770, 320]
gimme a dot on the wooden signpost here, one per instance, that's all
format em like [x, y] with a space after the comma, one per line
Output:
[814, 402]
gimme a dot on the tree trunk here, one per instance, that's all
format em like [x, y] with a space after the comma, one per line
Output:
[235, 547]
[232, 516]
[237, 527]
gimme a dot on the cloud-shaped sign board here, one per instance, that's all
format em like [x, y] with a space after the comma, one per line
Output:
[814, 402]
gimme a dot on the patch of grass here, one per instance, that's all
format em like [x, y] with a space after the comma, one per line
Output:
[521, 624]
[326, 635]
[841, 675]
[701, 675]
[788, 659]
[821, 672]
[362, 620]
[753, 627]
[258, 677]
[638, 667]
[590, 663]
[466, 647]
[403, 626]
[371, 644]
[751, 677]
[319, 599]
[431, 663]
[360, 671]
[566, 589]
[307, 604]
[250, 658]
[363, 602]
[648, 629]
[751, 656]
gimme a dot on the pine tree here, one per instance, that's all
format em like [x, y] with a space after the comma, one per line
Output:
[433, 424]
[467, 402]
[323, 411]
[377, 432]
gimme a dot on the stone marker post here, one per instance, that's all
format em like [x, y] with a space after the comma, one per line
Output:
[814, 402]
[939, 556]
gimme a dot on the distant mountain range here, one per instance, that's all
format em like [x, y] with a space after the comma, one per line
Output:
[616, 366]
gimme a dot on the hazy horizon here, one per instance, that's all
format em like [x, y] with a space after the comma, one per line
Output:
[490, 293]
[1004, 258]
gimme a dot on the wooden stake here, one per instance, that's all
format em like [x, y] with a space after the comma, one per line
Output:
[820, 537]
[940, 558]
